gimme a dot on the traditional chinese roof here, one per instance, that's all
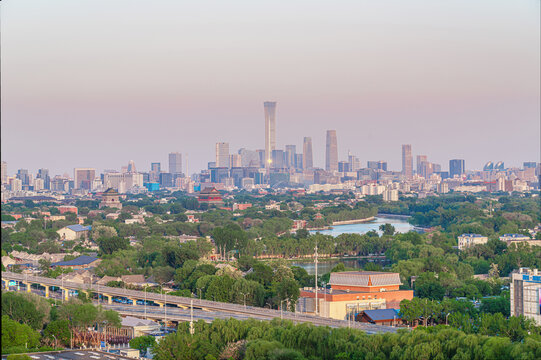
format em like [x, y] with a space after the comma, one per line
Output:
[110, 191]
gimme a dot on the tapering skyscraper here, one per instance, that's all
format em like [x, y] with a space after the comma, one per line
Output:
[175, 163]
[307, 157]
[270, 131]
[331, 154]
[222, 154]
[407, 161]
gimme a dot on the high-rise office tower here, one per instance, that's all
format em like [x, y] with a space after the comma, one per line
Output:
[175, 163]
[235, 160]
[249, 158]
[307, 157]
[354, 162]
[278, 157]
[44, 175]
[155, 167]
[261, 154]
[407, 161]
[420, 160]
[270, 131]
[222, 154]
[131, 167]
[331, 154]
[155, 170]
[456, 167]
[298, 161]
[22, 174]
[83, 178]
[4, 172]
[290, 155]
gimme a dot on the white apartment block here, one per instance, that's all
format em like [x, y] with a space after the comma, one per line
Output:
[526, 294]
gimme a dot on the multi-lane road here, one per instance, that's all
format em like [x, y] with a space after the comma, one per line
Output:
[203, 309]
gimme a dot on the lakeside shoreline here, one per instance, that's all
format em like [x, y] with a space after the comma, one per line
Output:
[354, 221]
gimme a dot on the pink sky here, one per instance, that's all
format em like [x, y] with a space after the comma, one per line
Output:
[99, 83]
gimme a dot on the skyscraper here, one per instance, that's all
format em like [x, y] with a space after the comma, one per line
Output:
[270, 131]
[222, 154]
[420, 160]
[290, 155]
[131, 167]
[175, 163]
[307, 157]
[456, 167]
[83, 178]
[44, 175]
[22, 174]
[331, 154]
[4, 172]
[407, 161]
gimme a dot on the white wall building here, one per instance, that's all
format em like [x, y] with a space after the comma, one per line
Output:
[468, 240]
[526, 294]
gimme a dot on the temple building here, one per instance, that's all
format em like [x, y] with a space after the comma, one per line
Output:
[352, 292]
[210, 196]
[110, 198]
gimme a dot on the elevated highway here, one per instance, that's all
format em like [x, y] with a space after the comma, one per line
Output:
[213, 308]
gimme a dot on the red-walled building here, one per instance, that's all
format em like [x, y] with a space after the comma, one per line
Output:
[352, 292]
[68, 209]
[210, 196]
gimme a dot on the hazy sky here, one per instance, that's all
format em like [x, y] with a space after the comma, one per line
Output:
[97, 83]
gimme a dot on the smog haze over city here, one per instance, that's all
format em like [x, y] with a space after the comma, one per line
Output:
[99, 83]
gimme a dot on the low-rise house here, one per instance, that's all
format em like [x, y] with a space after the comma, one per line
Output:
[134, 327]
[74, 232]
[107, 279]
[82, 262]
[389, 317]
[77, 276]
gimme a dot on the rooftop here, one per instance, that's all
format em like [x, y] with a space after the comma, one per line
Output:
[382, 314]
[365, 278]
[81, 260]
[78, 227]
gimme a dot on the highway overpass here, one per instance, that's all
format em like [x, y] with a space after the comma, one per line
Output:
[215, 309]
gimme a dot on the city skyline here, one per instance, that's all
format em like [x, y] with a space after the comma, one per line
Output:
[479, 72]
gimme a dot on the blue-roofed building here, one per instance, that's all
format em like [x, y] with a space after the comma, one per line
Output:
[380, 317]
[74, 232]
[81, 263]
[468, 240]
[519, 238]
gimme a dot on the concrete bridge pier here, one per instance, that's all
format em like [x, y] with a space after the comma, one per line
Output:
[28, 287]
[65, 293]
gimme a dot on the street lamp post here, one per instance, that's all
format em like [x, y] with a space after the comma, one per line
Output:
[244, 299]
[446, 316]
